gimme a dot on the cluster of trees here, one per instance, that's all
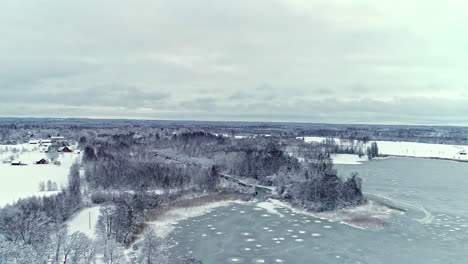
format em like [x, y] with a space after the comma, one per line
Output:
[117, 169]
[252, 157]
[317, 187]
[185, 160]
[345, 146]
[194, 161]
[330, 146]
[372, 151]
[55, 247]
[50, 186]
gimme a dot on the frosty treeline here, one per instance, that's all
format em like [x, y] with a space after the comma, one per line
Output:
[16, 129]
[342, 146]
[195, 160]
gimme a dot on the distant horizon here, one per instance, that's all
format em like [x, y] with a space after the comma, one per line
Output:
[234, 121]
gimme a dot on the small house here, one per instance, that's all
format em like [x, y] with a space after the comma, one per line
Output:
[65, 149]
[42, 161]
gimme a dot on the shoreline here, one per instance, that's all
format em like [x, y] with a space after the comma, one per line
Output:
[162, 218]
[416, 157]
[368, 216]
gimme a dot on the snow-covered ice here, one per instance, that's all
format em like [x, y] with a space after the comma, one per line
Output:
[269, 206]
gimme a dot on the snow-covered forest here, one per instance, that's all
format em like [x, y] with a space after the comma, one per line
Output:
[129, 173]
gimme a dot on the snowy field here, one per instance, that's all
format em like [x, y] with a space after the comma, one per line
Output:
[400, 148]
[85, 221]
[23, 181]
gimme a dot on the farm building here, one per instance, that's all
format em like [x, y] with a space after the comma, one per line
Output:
[42, 161]
[17, 163]
[65, 149]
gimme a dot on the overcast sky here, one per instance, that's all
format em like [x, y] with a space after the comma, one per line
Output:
[332, 61]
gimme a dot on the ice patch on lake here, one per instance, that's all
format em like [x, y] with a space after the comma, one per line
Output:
[269, 206]
[428, 217]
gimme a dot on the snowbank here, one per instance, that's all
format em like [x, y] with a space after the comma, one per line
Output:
[368, 216]
[411, 149]
[270, 206]
[348, 159]
[85, 221]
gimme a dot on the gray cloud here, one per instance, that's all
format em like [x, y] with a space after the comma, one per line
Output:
[111, 96]
[266, 60]
[239, 96]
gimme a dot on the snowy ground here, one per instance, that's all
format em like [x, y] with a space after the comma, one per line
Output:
[407, 149]
[85, 221]
[23, 181]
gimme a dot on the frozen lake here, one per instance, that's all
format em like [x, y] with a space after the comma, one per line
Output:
[433, 230]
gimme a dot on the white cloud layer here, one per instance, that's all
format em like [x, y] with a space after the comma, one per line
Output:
[266, 60]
